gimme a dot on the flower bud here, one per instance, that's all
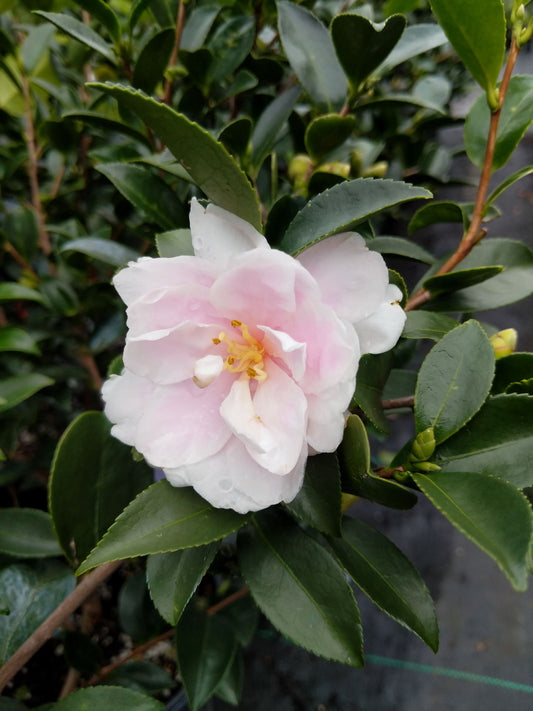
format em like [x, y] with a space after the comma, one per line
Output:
[341, 169]
[376, 170]
[426, 467]
[504, 342]
[299, 170]
[423, 446]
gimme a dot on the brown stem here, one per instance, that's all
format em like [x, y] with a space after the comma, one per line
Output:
[19, 259]
[43, 633]
[86, 359]
[180, 21]
[227, 601]
[393, 404]
[475, 233]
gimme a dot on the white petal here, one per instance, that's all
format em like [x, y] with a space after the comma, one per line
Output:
[206, 369]
[238, 412]
[125, 396]
[280, 345]
[381, 330]
[217, 235]
[327, 411]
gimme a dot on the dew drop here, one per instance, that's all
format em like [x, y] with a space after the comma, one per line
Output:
[225, 484]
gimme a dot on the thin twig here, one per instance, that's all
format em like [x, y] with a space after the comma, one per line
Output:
[227, 601]
[43, 633]
[396, 403]
[475, 233]
[17, 256]
[180, 21]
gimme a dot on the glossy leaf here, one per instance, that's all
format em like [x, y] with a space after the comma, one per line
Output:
[205, 649]
[153, 60]
[163, 519]
[105, 250]
[362, 45]
[27, 533]
[174, 243]
[108, 698]
[22, 226]
[497, 441]
[137, 9]
[102, 12]
[107, 123]
[230, 46]
[93, 478]
[512, 369]
[454, 380]
[143, 676]
[311, 54]
[236, 135]
[148, 192]
[515, 118]
[286, 570]
[270, 123]
[173, 577]
[35, 46]
[401, 247]
[30, 593]
[489, 511]
[416, 39]
[243, 617]
[325, 133]
[197, 25]
[206, 160]
[436, 211]
[13, 338]
[342, 207]
[318, 502]
[11, 291]
[507, 183]
[137, 614]
[80, 31]
[425, 324]
[230, 688]
[371, 378]
[477, 30]
[389, 579]
[460, 279]
[17, 388]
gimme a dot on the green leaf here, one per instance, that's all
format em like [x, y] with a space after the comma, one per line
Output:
[163, 519]
[402, 247]
[104, 13]
[236, 135]
[286, 570]
[270, 123]
[512, 369]
[206, 160]
[82, 653]
[362, 45]
[22, 227]
[311, 55]
[424, 324]
[389, 579]
[30, 592]
[318, 502]
[11, 291]
[81, 32]
[93, 478]
[205, 649]
[107, 123]
[460, 279]
[416, 39]
[497, 441]
[148, 192]
[230, 46]
[454, 381]
[174, 243]
[108, 698]
[371, 378]
[105, 250]
[137, 615]
[173, 578]
[13, 338]
[342, 207]
[514, 283]
[243, 617]
[436, 211]
[477, 30]
[325, 133]
[400, 383]
[137, 9]
[27, 533]
[230, 688]
[199, 22]
[511, 180]
[435, 90]
[153, 60]
[515, 118]
[144, 676]
[18, 388]
[489, 511]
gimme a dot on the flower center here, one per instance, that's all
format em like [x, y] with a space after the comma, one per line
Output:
[243, 357]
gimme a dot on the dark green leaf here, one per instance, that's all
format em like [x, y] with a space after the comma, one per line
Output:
[163, 519]
[197, 64]
[13, 338]
[81, 32]
[27, 533]
[371, 378]
[153, 60]
[243, 617]
[207, 161]
[108, 698]
[511, 180]
[173, 578]
[230, 688]
[137, 9]
[230, 46]
[174, 243]
[93, 478]
[82, 653]
[436, 211]
[236, 135]
[22, 228]
[280, 216]
[104, 13]
[362, 45]
[389, 579]
[512, 369]
[425, 324]
[400, 383]
[489, 511]
[107, 123]
[18, 388]
[515, 118]
[460, 279]
[498, 441]
[10, 291]
[326, 133]
[401, 247]
[342, 207]
[286, 570]
[35, 46]
[311, 54]
[318, 502]
[398, 97]
[206, 649]
[199, 22]
[454, 380]
[477, 30]
[143, 676]
[270, 123]
[105, 250]
[31, 592]
[435, 90]
[137, 615]
[148, 192]
[416, 39]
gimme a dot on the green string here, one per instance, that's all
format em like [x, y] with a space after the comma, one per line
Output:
[453, 673]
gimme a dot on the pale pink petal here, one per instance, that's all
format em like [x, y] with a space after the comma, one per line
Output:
[218, 236]
[168, 356]
[380, 332]
[124, 396]
[283, 347]
[206, 369]
[352, 278]
[181, 425]
[326, 415]
[231, 479]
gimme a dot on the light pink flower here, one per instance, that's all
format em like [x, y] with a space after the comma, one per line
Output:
[241, 360]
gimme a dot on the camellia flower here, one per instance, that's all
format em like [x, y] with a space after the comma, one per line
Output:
[240, 361]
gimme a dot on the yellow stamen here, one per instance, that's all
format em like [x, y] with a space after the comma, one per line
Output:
[243, 357]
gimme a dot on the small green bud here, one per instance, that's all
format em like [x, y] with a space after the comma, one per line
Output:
[427, 467]
[377, 170]
[504, 342]
[300, 169]
[356, 162]
[335, 168]
[423, 446]
[401, 477]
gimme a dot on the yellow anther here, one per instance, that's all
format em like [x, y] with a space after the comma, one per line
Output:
[216, 341]
[243, 357]
[235, 323]
[251, 372]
